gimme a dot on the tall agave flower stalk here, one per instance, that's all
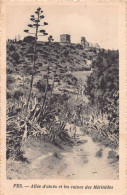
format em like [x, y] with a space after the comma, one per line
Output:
[36, 19]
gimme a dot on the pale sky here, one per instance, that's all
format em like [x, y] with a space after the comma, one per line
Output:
[99, 24]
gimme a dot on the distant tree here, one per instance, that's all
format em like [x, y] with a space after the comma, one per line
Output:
[50, 39]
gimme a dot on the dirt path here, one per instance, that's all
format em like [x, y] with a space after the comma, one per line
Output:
[74, 162]
[83, 163]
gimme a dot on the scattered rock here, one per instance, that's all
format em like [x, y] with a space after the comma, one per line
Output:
[55, 155]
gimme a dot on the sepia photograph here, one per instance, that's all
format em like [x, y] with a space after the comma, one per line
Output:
[62, 92]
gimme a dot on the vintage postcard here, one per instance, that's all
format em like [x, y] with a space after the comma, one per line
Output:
[63, 97]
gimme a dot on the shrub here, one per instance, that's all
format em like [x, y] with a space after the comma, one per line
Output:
[72, 47]
[12, 48]
[9, 95]
[84, 55]
[9, 70]
[17, 94]
[99, 153]
[66, 53]
[29, 39]
[16, 57]
[79, 46]
[113, 156]
[19, 42]
[10, 80]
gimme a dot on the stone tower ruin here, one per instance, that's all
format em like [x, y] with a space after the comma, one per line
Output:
[65, 38]
[84, 42]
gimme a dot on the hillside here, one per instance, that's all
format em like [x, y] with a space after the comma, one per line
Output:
[72, 56]
[68, 98]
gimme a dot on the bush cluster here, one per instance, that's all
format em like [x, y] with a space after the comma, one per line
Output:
[103, 87]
